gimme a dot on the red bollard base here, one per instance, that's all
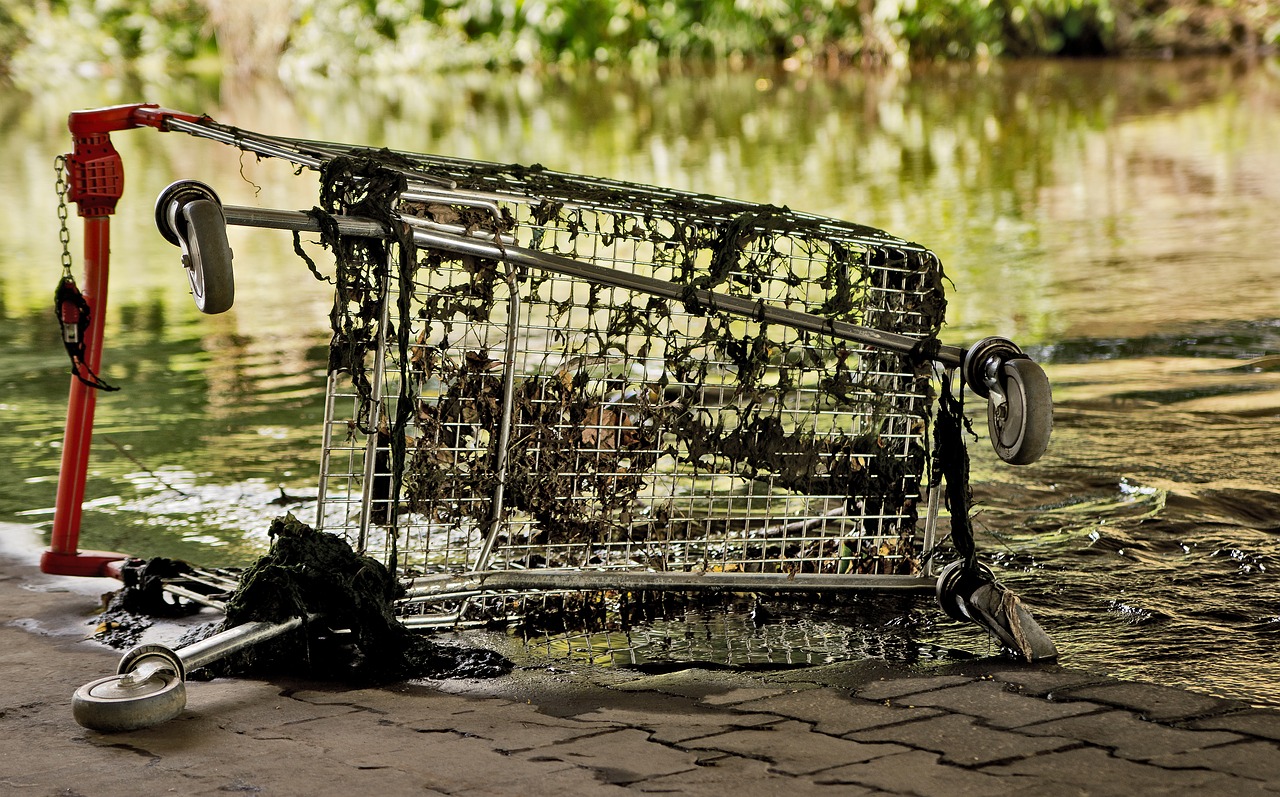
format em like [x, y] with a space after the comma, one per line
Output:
[100, 564]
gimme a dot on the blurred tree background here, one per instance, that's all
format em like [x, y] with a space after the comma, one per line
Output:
[305, 41]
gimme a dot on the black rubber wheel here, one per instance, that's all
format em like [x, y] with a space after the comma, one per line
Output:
[169, 220]
[209, 264]
[979, 355]
[947, 593]
[1020, 427]
[955, 584]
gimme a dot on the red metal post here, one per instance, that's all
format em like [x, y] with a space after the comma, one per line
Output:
[63, 556]
[95, 184]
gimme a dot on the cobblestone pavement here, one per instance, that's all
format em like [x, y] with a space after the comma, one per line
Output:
[981, 728]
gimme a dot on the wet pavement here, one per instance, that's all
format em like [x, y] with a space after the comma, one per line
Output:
[988, 727]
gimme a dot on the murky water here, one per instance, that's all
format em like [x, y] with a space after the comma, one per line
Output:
[1120, 220]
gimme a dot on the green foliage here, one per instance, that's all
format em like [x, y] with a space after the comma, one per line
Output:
[47, 40]
[605, 30]
[10, 33]
[55, 40]
[1180, 26]
[948, 29]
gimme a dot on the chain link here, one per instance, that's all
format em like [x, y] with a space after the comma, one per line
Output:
[64, 235]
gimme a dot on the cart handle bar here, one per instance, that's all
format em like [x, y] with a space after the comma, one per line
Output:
[520, 256]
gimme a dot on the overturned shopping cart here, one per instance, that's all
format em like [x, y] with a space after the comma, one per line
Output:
[542, 384]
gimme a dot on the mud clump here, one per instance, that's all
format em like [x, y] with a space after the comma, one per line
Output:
[129, 611]
[117, 626]
[353, 634]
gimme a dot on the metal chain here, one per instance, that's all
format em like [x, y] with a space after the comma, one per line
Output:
[64, 235]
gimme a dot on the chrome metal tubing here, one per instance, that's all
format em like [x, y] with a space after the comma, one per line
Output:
[504, 427]
[249, 143]
[561, 579]
[464, 245]
[196, 597]
[224, 643]
[274, 219]
[375, 418]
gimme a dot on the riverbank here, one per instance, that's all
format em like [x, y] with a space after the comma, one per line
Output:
[330, 43]
[988, 727]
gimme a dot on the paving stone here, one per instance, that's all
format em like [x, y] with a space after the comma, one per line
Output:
[406, 706]
[1259, 760]
[832, 711]
[793, 748]
[620, 756]
[253, 777]
[849, 675]
[454, 768]
[741, 777]
[1234, 786]
[573, 731]
[253, 706]
[307, 773]
[510, 729]
[1263, 723]
[180, 752]
[511, 725]
[996, 705]
[1214, 783]
[353, 739]
[1096, 774]
[567, 783]
[508, 726]
[451, 762]
[897, 687]
[1127, 736]
[720, 688]
[667, 727]
[922, 773]
[25, 768]
[743, 694]
[181, 737]
[569, 695]
[445, 760]
[368, 699]
[961, 741]
[1045, 681]
[1153, 702]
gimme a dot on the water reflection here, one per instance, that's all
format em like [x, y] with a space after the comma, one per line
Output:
[745, 634]
[1122, 220]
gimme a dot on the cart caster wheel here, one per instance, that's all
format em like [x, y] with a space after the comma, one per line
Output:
[129, 702]
[954, 584]
[1019, 401]
[1020, 425]
[189, 215]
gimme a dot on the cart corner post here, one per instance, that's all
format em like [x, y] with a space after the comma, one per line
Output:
[95, 184]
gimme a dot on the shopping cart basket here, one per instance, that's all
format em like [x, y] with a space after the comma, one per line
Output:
[542, 383]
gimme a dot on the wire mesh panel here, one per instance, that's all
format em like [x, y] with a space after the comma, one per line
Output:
[502, 416]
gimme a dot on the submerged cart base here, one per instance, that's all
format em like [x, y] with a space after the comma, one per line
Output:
[546, 382]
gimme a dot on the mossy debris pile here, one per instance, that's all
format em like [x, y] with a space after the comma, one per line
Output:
[353, 634]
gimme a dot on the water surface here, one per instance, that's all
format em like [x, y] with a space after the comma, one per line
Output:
[1119, 220]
